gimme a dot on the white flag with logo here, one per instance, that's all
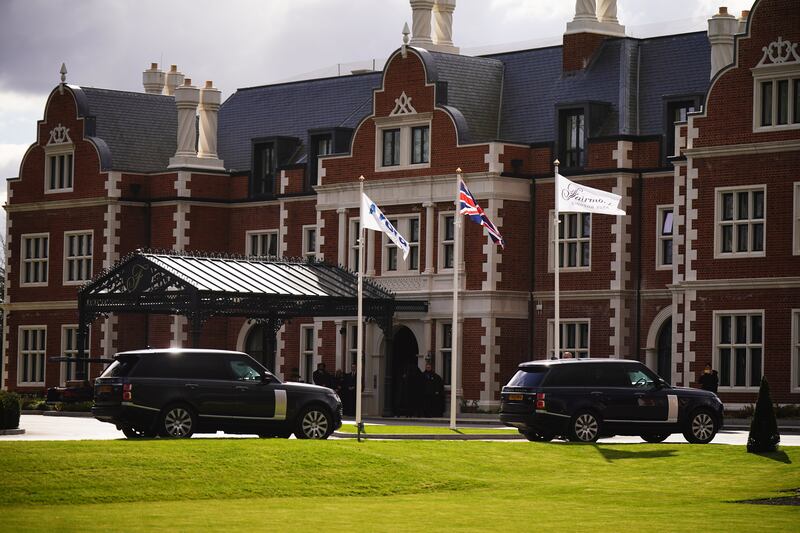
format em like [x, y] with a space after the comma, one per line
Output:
[574, 197]
[372, 218]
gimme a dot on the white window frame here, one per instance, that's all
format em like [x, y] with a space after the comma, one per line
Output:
[77, 258]
[40, 353]
[404, 123]
[59, 150]
[350, 347]
[717, 346]
[661, 237]
[443, 243]
[273, 233]
[718, 222]
[774, 73]
[34, 261]
[352, 244]
[68, 351]
[444, 343]
[576, 350]
[578, 240]
[305, 351]
[306, 253]
[795, 351]
[403, 226]
[796, 219]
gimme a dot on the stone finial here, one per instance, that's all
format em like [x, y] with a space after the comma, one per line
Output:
[405, 39]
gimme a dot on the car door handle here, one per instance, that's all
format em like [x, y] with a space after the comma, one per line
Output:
[191, 386]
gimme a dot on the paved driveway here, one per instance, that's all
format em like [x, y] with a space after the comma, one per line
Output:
[38, 427]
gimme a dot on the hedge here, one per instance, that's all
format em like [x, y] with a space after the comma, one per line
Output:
[10, 405]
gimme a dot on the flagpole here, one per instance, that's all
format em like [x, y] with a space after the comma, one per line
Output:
[454, 327]
[556, 260]
[360, 324]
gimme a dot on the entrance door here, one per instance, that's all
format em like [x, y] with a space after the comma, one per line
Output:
[260, 345]
[664, 345]
[406, 375]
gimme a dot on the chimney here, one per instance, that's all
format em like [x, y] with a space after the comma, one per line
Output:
[443, 26]
[187, 96]
[594, 22]
[421, 23]
[743, 21]
[210, 98]
[721, 29]
[174, 79]
[153, 79]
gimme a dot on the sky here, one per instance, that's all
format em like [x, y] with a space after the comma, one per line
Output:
[242, 43]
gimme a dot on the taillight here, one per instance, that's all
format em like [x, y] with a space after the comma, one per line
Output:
[127, 392]
[540, 400]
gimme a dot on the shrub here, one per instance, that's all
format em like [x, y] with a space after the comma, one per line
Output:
[10, 407]
[75, 407]
[764, 436]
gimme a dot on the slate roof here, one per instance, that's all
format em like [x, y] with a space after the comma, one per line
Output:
[140, 129]
[291, 109]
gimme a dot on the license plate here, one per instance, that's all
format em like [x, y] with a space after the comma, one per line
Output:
[105, 388]
[515, 397]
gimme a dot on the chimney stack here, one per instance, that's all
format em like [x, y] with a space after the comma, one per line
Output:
[174, 79]
[153, 79]
[187, 96]
[594, 22]
[443, 26]
[210, 99]
[421, 23]
[721, 29]
[743, 21]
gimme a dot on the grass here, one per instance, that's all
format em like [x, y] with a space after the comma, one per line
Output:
[283, 485]
[391, 429]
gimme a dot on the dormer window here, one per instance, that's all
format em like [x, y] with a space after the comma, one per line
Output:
[59, 161]
[403, 138]
[776, 88]
[391, 147]
[677, 109]
[420, 144]
[572, 125]
[264, 167]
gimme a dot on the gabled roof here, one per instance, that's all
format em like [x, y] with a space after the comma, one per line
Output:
[139, 129]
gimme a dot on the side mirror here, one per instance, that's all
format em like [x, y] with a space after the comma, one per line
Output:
[661, 384]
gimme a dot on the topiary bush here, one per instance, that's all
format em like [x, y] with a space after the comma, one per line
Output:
[764, 436]
[10, 407]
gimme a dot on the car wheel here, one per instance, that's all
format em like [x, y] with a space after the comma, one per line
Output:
[314, 423]
[178, 421]
[135, 433]
[536, 436]
[702, 427]
[584, 427]
[655, 437]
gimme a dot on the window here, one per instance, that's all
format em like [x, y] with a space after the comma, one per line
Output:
[777, 102]
[391, 147]
[309, 242]
[243, 370]
[307, 353]
[352, 347]
[420, 144]
[354, 233]
[324, 145]
[409, 229]
[796, 224]
[574, 240]
[573, 137]
[447, 241]
[574, 338]
[262, 243]
[321, 145]
[34, 259]
[77, 257]
[664, 234]
[32, 347]
[677, 111]
[59, 169]
[739, 349]
[740, 222]
[446, 351]
[264, 168]
[796, 349]
[69, 348]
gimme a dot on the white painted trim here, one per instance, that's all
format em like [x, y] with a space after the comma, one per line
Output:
[45, 305]
[63, 365]
[490, 267]
[283, 228]
[715, 347]
[58, 204]
[320, 236]
[551, 235]
[301, 364]
[20, 329]
[489, 364]
[57, 150]
[402, 226]
[441, 241]
[689, 337]
[727, 150]
[718, 192]
[774, 74]
[796, 220]
[404, 123]
[304, 241]
[65, 259]
[794, 350]
[620, 154]
[661, 237]
[257, 233]
[22, 238]
[562, 345]
[111, 238]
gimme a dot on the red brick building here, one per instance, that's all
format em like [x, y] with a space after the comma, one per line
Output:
[690, 275]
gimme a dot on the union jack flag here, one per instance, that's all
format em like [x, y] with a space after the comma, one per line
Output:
[470, 207]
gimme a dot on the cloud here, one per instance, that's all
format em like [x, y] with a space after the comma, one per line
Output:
[19, 113]
[10, 159]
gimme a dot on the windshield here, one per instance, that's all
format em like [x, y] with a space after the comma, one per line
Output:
[529, 377]
[120, 368]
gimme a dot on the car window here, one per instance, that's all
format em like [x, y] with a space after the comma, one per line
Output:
[571, 375]
[611, 375]
[640, 376]
[120, 368]
[531, 376]
[244, 371]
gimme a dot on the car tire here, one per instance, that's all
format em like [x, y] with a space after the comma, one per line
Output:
[275, 435]
[314, 422]
[585, 427]
[536, 436]
[655, 437]
[177, 421]
[135, 433]
[701, 428]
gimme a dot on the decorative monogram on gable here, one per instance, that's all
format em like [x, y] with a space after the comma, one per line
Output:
[59, 135]
[780, 52]
[403, 106]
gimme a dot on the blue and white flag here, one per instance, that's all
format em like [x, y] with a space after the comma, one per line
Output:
[372, 218]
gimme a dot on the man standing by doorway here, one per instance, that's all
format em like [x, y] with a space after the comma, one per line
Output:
[321, 376]
[433, 391]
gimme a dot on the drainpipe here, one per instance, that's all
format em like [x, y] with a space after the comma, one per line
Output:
[638, 321]
[532, 261]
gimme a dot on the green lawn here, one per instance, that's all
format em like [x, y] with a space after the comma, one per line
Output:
[391, 429]
[280, 485]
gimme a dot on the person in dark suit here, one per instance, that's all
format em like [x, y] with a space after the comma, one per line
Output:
[348, 393]
[433, 392]
[709, 380]
[321, 376]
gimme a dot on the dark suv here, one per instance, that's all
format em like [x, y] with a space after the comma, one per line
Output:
[584, 399]
[178, 392]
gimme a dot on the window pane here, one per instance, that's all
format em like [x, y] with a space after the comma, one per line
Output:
[584, 336]
[572, 226]
[755, 329]
[584, 254]
[727, 206]
[766, 103]
[796, 101]
[758, 237]
[741, 237]
[562, 222]
[448, 256]
[741, 367]
[666, 226]
[69, 170]
[725, 367]
[413, 230]
[586, 220]
[666, 252]
[725, 330]
[391, 261]
[743, 199]
[572, 254]
[52, 159]
[741, 329]
[727, 238]
[448, 228]
[758, 204]
[783, 102]
[413, 258]
[755, 367]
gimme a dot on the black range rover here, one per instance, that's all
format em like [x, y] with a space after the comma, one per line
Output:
[178, 392]
[584, 399]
